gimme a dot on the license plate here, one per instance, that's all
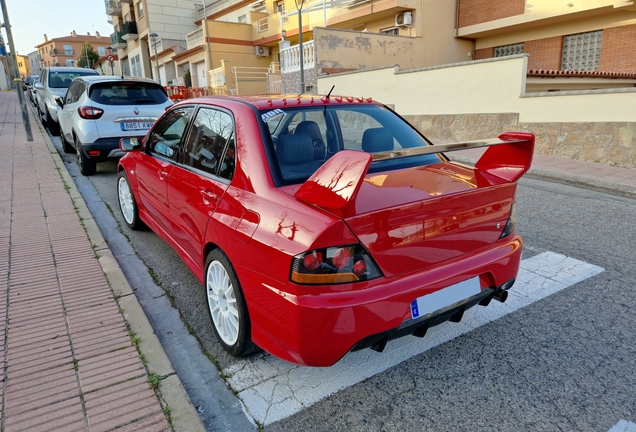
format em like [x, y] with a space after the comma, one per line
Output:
[445, 297]
[133, 126]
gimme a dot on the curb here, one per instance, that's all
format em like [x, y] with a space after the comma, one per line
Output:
[171, 390]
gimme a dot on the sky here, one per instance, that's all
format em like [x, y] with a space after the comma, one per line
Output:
[31, 19]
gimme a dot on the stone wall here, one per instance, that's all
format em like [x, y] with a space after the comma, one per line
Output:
[609, 143]
[290, 82]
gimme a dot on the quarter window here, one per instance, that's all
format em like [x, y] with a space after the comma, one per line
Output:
[167, 134]
[210, 147]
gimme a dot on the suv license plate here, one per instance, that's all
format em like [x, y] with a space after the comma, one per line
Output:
[128, 126]
[445, 297]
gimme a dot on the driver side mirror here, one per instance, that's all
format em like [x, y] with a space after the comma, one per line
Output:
[59, 102]
[130, 144]
[39, 86]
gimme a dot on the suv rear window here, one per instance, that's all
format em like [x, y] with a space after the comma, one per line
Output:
[64, 79]
[127, 93]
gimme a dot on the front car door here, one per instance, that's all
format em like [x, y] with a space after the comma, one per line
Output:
[198, 184]
[155, 168]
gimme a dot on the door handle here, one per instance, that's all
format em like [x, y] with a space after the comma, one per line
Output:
[209, 197]
[163, 175]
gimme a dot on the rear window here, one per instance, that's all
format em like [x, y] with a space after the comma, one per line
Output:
[303, 138]
[64, 79]
[123, 93]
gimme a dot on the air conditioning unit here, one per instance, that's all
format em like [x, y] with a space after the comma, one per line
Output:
[261, 51]
[403, 19]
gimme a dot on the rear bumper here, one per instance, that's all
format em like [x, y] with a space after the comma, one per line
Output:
[317, 330]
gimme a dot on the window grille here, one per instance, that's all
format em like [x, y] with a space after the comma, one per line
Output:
[582, 51]
[508, 50]
[390, 31]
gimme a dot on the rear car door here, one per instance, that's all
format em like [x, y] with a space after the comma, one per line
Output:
[155, 168]
[198, 184]
[71, 100]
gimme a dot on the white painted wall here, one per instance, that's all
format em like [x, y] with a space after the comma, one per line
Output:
[485, 86]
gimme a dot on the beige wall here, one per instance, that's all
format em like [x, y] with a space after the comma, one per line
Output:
[485, 86]
[466, 101]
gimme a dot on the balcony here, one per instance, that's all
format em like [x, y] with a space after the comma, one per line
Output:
[116, 41]
[194, 38]
[129, 31]
[290, 58]
[67, 52]
[113, 7]
[213, 7]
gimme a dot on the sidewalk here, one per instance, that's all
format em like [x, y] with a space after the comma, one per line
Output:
[616, 180]
[71, 326]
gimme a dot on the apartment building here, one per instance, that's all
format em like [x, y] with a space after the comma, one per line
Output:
[24, 67]
[256, 45]
[145, 29]
[64, 51]
[572, 45]
[34, 62]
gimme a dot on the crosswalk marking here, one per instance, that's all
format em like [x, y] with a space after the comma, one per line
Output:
[272, 389]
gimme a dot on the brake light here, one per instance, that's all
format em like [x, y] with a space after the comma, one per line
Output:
[342, 264]
[90, 113]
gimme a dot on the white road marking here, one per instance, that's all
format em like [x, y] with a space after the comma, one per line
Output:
[272, 389]
[623, 426]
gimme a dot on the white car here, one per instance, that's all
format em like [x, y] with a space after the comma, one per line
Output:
[53, 83]
[98, 111]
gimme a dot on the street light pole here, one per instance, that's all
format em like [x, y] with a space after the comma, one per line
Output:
[153, 37]
[14, 64]
[300, 44]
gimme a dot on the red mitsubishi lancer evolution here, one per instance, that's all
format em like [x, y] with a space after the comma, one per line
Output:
[321, 225]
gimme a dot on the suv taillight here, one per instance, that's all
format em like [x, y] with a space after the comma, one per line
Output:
[90, 113]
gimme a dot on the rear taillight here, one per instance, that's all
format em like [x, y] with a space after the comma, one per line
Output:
[342, 264]
[90, 113]
[512, 221]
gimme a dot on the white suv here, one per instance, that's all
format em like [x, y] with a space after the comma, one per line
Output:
[54, 81]
[98, 111]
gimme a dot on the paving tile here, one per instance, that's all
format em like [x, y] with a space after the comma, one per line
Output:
[40, 392]
[120, 404]
[153, 423]
[109, 369]
[99, 321]
[41, 351]
[26, 310]
[65, 415]
[53, 327]
[92, 348]
[17, 341]
[27, 366]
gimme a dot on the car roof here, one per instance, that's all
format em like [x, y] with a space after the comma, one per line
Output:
[92, 79]
[270, 101]
[67, 69]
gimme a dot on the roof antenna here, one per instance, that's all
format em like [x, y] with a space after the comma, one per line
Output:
[329, 94]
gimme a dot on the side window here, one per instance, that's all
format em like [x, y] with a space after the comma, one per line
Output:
[210, 146]
[167, 134]
[74, 92]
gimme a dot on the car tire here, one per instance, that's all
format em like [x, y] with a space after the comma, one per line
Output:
[227, 307]
[53, 126]
[127, 203]
[87, 166]
[66, 146]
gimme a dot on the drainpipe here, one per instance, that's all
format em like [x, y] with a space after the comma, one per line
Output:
[208, 46]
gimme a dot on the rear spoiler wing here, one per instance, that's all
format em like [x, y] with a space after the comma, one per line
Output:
[336, 183]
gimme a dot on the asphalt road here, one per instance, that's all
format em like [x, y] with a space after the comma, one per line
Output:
[565, 363]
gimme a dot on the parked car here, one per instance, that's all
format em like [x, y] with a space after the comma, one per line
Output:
[54, 81]
[30, 82]
[323, 225]
[98, 111]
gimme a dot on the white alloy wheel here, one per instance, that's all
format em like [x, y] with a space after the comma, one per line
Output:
[126, 200]
[222, 303]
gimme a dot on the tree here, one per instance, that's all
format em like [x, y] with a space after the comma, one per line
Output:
[87, 50]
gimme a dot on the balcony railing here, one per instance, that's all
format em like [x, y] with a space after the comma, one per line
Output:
[194, 38]
[213, 7]
[116, 41]
[290, 58]
[217, 77]
[129, 30]
[113, 7]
